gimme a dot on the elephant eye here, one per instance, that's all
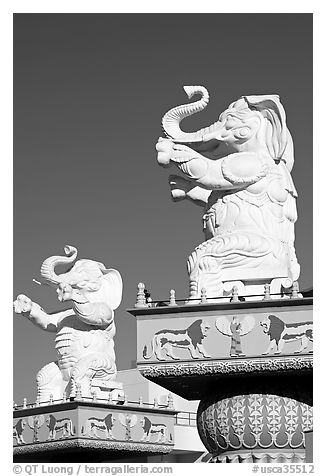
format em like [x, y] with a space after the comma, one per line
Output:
[231, 121]
[223, 116]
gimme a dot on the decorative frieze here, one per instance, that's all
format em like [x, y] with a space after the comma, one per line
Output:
[232, 335]
[92, 421]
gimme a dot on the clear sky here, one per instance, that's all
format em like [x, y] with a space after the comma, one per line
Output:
[89, 94]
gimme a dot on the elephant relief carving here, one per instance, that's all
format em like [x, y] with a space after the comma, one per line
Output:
[239, 171]
[84, 332]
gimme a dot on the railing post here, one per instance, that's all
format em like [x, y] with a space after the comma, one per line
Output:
[141, 298]
[172, 298]
[203, 296]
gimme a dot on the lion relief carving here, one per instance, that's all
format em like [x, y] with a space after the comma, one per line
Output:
[190, 339]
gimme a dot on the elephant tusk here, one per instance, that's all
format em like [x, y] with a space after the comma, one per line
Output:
[40, 283]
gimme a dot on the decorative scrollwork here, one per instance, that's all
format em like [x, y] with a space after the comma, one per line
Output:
[215, 367]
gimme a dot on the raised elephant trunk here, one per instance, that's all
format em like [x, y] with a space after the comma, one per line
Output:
[48, 265]
[171, 120]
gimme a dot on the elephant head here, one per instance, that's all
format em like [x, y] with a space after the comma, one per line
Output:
[248, 124]
[88, 276]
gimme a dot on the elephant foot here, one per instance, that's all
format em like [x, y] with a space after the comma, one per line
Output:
[50, 383]
[280, 286]
[91, 373]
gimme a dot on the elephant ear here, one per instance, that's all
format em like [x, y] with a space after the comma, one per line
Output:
[278, 137]
[113, 278]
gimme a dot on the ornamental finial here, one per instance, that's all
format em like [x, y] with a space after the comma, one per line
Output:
[203, 296]
[295, 290]
[94, 396]
[79, 395]
[141, 299]
[170, 401]
[172, 298]
[267, 292]
[235, 294]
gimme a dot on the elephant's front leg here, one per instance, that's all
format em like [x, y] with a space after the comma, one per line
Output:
[50, 381]
[204, 272]
[25, 306]
[86, 369]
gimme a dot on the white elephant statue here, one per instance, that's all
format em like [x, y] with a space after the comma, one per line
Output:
[245, 186]
[84, 333]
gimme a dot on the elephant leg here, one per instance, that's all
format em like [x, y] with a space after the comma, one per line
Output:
[278, 285]
[50, 382]
[94, 365]
[204, 273]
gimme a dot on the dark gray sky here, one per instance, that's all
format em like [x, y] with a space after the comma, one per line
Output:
[89, 94]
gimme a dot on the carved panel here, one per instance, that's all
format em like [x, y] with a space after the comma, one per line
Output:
[111, 424]
[44, 427]
[233, 335]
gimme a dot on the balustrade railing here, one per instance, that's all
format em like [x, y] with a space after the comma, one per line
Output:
[116, 401]
[185, 419]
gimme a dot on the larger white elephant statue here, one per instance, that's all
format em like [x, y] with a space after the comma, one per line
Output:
[84, 332]
[245, 186]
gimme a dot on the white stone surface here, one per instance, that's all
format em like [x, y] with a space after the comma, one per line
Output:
[84, 332]
[246, 189]
[135, 385]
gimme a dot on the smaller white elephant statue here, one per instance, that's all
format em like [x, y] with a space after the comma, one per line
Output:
[84, 333]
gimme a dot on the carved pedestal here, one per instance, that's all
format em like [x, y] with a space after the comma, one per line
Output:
[249, 364]
[81, 431]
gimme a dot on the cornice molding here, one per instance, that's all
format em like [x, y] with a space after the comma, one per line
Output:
[218, 367]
